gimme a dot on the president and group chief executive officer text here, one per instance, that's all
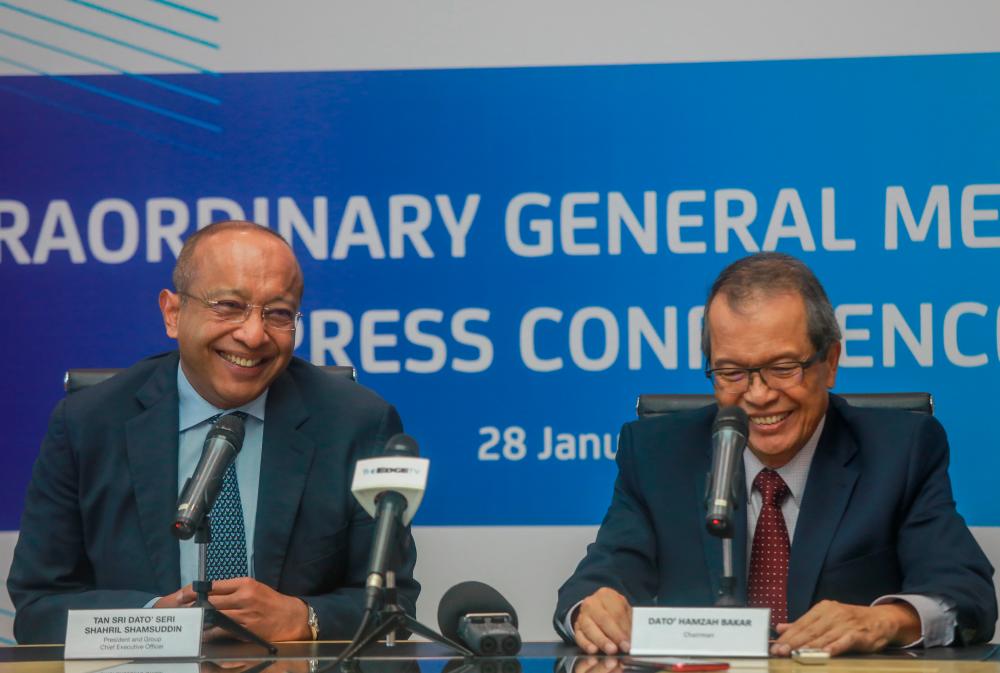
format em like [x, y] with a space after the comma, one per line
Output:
[869, 488]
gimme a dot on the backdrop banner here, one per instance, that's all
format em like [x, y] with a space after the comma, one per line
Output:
[512, 255]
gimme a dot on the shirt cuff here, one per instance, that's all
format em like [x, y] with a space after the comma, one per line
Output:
[937, 617]
[152, 603]
[568, 620]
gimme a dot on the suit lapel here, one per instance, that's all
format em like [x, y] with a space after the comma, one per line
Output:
[286, 456]
[151, 445]
[828, 489]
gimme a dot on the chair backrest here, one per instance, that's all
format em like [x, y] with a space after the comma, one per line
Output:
[77, 379]
[659, 404]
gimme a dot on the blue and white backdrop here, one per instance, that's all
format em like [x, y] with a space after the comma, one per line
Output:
[508, 217]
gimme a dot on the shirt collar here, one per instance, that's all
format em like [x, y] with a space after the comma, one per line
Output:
[193, 409]
[794, 473]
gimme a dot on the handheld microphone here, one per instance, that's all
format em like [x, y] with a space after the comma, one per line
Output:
[477, 615]
[729, 437]
[390, 489]
[223, 442]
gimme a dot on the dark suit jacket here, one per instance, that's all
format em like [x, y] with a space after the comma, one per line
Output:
[94, 533]
[877, 518]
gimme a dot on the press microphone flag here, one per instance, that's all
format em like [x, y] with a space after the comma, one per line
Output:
[397, 470]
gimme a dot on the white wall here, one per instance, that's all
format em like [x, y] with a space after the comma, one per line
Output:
[258, 35]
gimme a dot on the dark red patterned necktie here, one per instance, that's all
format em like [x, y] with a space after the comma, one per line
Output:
[768, 582]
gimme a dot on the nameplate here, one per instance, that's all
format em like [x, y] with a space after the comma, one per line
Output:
[134, 634]
[731, 632]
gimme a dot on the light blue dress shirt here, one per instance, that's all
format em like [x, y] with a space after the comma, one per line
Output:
[193, 427]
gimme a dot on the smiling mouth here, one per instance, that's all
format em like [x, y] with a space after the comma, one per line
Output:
[240, 362]
[773, 419]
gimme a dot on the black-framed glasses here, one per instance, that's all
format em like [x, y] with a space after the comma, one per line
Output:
[777, 375]
[234, 310]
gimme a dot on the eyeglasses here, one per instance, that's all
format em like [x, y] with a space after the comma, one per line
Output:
[233, 310]
[777, 375]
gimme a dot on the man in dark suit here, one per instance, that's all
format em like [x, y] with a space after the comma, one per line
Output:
[95, 528]
[850, 509]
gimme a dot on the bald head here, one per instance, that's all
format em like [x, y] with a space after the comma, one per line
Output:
[230, 358]
[186, 269]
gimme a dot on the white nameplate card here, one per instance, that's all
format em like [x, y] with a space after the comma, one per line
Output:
[134, 634]
[731, 632]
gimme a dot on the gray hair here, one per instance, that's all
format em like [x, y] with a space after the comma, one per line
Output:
[767, 274]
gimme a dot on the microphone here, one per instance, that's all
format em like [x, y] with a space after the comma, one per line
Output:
[477, 615]
[389, 488]
[729, 437]
[223, 442]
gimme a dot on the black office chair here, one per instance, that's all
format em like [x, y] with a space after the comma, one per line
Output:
[76, 379]
[659, 404]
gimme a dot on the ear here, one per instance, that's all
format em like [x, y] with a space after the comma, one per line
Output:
[170, 307]
[832, 360]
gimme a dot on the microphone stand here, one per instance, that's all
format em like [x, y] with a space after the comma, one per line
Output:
[392, 617]
[202, 587]
[727, 586]
[726, 597]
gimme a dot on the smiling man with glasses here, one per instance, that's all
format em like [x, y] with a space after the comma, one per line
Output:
[289, 550]
[848, 531]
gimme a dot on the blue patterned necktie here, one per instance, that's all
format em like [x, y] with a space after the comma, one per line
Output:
[227, 554]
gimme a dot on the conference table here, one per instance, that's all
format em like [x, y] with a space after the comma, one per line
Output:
[424, 657]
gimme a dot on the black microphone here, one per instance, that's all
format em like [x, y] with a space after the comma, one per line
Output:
[223, 442]
[477, 615]
[729, 437]
[389, 508]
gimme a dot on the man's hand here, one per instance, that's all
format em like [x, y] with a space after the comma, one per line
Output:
[838, 628]
[271, 615]
[182, 598]
[603, 623]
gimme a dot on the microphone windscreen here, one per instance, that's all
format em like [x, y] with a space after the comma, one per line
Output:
[466, 597]
[733, 418]
[401, 445]
[230, 427]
